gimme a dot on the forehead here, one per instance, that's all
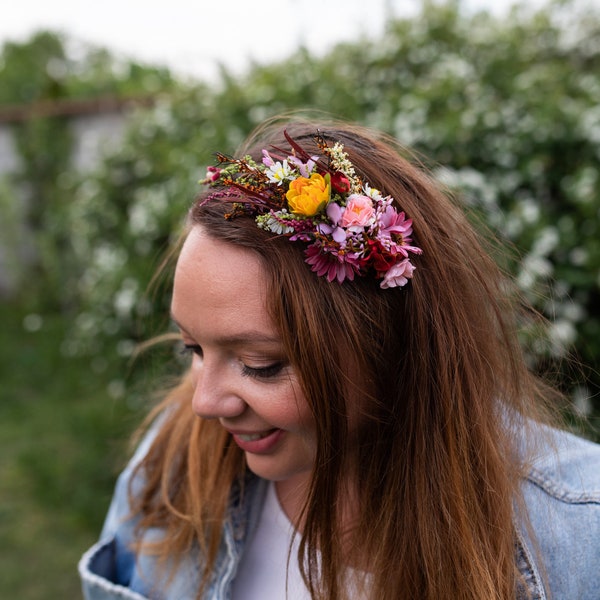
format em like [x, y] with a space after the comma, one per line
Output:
[219, 287]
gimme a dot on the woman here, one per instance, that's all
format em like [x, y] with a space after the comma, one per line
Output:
[357, 420]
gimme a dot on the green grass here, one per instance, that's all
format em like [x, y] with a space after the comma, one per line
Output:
[62, 441]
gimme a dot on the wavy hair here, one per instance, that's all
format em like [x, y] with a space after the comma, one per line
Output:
[432, 374]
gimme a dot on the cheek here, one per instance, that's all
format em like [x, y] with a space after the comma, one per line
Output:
[283, 405]
[288, 409]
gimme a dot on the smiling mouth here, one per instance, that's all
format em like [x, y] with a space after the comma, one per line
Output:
[252, 437]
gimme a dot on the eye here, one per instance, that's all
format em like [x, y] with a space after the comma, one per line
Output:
[192, 349]
[267, 372]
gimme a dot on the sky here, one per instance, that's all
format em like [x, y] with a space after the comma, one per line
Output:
[193, 36]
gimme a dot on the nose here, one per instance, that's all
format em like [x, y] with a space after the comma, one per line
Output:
[215, 396]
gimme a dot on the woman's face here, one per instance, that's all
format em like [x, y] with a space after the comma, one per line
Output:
[240, 373]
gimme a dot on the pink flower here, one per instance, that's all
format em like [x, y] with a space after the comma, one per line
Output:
[305, 169]
[392, 221]
[338, 234]
[331, 265]
[334, 212]
[267, 160]
[395, 231]
[212, 174]
[359, 211]
[398, 275]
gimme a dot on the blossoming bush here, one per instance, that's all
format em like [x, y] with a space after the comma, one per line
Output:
[505, 111]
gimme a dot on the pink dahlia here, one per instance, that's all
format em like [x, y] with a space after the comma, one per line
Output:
[330, 265]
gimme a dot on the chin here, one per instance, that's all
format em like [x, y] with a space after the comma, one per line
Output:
[275, 470]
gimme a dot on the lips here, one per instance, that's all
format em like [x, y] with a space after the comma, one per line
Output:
[261, 442]
[252, 437]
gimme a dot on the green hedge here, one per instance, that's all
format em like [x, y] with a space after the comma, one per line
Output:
[506, 112]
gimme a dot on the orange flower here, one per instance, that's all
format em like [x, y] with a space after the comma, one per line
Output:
[308, 196]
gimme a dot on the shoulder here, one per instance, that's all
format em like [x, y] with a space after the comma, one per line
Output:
[114, 569]
[129, 480]
[561, 491]
[108, 569]
[565, 466]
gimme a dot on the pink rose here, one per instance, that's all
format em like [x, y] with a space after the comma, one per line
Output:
[359, 211]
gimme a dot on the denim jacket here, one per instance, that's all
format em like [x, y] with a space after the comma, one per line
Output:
[562, 500]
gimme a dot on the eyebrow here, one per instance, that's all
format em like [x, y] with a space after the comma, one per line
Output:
[244, 337]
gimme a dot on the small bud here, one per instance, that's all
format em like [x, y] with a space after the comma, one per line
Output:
[340, 183]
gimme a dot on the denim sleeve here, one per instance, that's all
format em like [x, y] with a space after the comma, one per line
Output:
[120, 510]
[562, 495]
[108, 569]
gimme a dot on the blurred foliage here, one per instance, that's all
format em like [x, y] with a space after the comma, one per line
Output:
[61, 437]
[504, 110]
[48, 68]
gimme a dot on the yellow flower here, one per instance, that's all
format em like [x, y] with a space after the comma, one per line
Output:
[308, 196]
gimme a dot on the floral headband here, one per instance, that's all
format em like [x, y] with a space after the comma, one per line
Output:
[351, 228]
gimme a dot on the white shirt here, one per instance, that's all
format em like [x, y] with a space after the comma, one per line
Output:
[264, 566]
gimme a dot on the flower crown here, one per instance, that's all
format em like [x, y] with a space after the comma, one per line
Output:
[351, 228]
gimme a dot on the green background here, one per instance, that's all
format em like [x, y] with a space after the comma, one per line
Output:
[504, 111]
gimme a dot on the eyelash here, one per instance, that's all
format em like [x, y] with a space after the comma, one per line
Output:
[191, 349]
[268, 372]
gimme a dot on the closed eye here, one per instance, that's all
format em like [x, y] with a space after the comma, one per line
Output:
[192, 349]
[268, 372]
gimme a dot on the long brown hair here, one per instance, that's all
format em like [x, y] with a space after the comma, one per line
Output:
[435, 372]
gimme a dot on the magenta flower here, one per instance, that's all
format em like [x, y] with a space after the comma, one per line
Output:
[331, 265]
[212, 174]
[391, 221]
